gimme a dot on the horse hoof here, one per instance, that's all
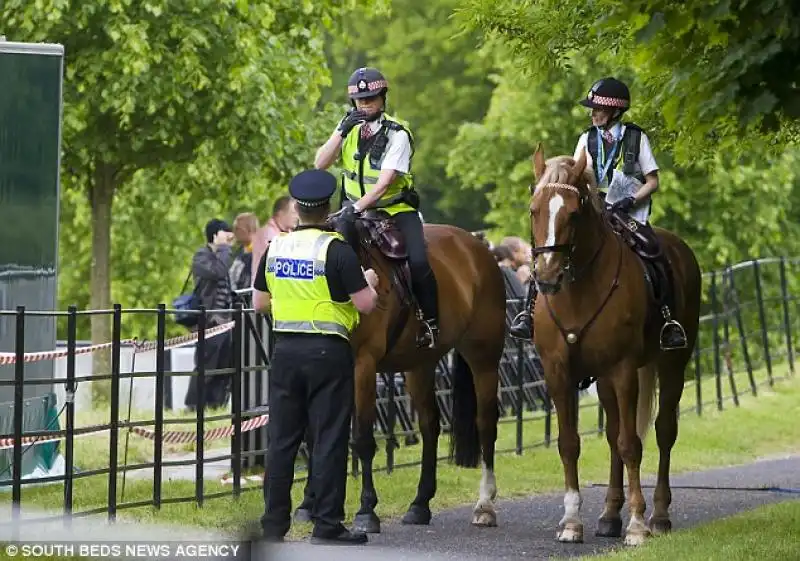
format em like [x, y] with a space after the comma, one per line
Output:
[484, 519]
[572, 533]
[302, 515]
[368, 522]
[660, 526]
[635, 540]
[609, 528]
[417, 516]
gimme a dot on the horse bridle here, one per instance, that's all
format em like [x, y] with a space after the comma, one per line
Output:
[573, 336]
[568, 270]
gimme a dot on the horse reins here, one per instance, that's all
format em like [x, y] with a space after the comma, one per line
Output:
[573, 337]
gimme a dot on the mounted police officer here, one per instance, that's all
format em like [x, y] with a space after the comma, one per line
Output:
[377, 149]
[624, 166]
[312, 282]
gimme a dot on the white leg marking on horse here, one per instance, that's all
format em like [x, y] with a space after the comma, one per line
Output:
[488, 484]
[571, 522]
[637, 531]
[556, 203]
[484, 514]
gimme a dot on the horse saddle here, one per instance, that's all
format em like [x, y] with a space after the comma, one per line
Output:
[378, 228]
[644, 242]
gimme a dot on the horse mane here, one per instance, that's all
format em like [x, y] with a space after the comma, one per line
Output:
[558, 169]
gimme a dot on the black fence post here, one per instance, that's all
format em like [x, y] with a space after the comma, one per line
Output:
[69, 403]
[787, 324]
[113, 441]
[236, 401]
[548, 420]
[727, 339]
[158, 450]
[19, 396]
[698, 376]
[762, 317]
[201, 406]
[520, 393]
[742, 333]
[715, 347]
[391, 438]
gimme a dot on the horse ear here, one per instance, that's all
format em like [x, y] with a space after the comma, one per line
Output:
[538, 162]
[580, 167]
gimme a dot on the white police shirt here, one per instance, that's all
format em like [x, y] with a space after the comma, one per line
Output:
[622, 185]
[397, 155]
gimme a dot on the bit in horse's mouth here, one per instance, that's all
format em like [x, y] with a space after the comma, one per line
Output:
[549, 288]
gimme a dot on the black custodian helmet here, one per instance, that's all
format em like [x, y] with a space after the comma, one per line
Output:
[608, 93]
[366, 82]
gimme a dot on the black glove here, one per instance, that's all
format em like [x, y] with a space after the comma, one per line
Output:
[350, 120]
[624, 205]
[348, 214]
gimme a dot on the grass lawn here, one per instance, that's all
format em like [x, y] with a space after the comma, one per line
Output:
[758, 427]
[770, 532]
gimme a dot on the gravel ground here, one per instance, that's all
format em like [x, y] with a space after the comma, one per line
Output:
[526, 527]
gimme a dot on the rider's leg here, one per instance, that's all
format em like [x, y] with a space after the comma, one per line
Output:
[672, 335]
[422, 278]
[522, 325]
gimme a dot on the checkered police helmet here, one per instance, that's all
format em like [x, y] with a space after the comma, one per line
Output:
[608, 93]
[366, 82]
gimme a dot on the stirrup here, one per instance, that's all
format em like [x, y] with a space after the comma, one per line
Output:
[671, 323]
[522, 321]
[429, 335]
[681, 334]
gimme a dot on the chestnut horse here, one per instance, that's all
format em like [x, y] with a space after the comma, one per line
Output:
[472, 321]
[594, 317]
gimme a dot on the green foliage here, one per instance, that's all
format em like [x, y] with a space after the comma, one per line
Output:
[713, 70]
[437, 80]
[729, 208]
[184, 109]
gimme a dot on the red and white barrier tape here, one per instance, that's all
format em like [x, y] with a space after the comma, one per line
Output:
[172, 437]
[185, 437]
[11, 358]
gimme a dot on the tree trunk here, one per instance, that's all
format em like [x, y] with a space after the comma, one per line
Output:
[101, 198]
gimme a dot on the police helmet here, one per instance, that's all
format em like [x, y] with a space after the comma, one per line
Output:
[366, 82]
[608, 93]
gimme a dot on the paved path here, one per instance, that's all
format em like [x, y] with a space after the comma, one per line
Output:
[527, 526]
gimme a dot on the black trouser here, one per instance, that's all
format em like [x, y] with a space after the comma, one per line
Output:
[424, 283]
[217, 354]
[311, 385]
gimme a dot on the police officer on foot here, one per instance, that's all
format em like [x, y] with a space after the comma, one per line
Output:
[377, 149]
[620, 155]
[313, 284]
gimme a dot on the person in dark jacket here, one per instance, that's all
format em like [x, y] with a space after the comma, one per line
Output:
[210, 266]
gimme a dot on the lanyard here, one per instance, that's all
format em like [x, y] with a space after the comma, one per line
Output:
[602, 165]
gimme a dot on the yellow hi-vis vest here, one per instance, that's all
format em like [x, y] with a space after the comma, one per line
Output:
[369, 171]
[301, 300]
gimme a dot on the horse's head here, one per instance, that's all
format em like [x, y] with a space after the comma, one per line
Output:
[561, 199]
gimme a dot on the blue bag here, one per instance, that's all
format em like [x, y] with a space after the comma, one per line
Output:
[186, 302]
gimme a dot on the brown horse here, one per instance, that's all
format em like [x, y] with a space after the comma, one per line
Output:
[472, 321]
[595, 317]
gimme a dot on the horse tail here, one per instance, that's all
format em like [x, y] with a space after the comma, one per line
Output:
[647, 394]
[465, 446]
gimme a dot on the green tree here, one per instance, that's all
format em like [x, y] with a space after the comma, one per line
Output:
[715, 69]
[729, 209]
[438, 78]
[162, 82]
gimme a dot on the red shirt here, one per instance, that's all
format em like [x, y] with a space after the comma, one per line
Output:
[260, 242]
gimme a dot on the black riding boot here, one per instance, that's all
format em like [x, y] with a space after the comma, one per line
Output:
[522, 325]
[423, 281]
[672, 334]
[427, 293]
